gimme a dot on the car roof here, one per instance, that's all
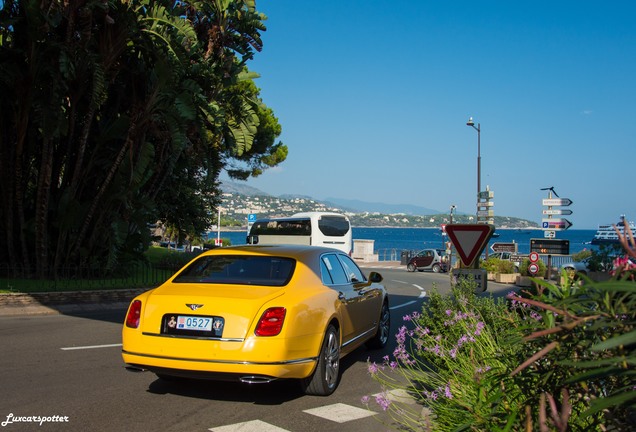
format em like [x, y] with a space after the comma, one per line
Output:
[292, 251]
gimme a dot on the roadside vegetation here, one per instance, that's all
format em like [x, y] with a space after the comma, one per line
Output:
[550, 358]
[158, 264]
[118, 115]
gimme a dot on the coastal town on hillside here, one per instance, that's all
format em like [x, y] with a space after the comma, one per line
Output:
[235, 208]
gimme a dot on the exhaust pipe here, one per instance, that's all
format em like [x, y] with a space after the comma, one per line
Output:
[132, 368]
[256, 379]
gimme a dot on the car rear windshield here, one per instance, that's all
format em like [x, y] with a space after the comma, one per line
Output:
[238, 269]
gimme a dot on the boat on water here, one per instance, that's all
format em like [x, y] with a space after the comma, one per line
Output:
[606, 234]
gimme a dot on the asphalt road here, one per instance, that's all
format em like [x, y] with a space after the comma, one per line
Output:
[68, 370]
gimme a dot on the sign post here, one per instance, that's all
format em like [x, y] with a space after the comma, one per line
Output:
[469, 241]
[550, 226]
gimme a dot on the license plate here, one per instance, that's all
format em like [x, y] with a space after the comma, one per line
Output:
[185, 322]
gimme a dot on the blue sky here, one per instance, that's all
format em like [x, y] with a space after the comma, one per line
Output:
[373, 98]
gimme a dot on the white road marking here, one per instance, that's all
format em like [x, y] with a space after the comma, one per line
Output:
[402, 305]
[249, 426]
[340, 413]
[90, 347]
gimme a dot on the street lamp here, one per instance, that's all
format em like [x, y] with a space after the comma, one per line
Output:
[471, 123]
[452, 209]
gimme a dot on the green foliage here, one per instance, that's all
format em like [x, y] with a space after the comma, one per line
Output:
[448, 355]
[125, 116]
[497, 265]
[562, 359]
[601, 260]
[580, 256]
[523, 269]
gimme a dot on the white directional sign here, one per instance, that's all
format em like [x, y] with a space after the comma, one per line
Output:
[557, 202]
[549, 234]
[488, 213]
[557, 212]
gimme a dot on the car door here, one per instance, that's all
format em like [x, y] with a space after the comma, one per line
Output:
[334, 276]
[424, 259]
[366, 306]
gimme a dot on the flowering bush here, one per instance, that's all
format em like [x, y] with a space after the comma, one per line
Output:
[556, 358]
[448, 359]
[561, 359]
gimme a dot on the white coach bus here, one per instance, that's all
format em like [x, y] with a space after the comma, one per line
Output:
[310, 228]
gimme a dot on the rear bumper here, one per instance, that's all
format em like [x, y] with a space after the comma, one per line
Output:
[224, 370]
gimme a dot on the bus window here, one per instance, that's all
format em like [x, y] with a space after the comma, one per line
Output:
[310, 228]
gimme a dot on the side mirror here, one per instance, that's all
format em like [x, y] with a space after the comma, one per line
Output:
[375, 277]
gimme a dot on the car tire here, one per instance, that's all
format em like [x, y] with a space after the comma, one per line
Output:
[411, 267]
[324, 380]
[381, 337]
[436, 268]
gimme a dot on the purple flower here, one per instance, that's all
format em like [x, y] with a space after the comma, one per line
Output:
[383, 401]
[453, 352]
[447, 392]
[373, 368]
[480, 326]
[365, 400]
[449, 312]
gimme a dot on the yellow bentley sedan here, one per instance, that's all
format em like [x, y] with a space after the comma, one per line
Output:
[256, 314]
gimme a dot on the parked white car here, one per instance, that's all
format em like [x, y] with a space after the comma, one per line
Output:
[576, 267]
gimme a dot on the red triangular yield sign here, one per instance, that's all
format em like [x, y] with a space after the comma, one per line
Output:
[469, 240]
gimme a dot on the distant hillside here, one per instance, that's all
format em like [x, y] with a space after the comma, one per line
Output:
[375, 207]
[242, 189]
[244, 200]
[349, 205]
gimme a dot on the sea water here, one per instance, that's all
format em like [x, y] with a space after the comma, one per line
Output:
[389, 242]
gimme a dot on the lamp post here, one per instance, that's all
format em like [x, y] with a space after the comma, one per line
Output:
[471, 123]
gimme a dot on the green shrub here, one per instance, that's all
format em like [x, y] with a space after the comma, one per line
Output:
[560, 360]
[580, 256]
[496, 265]
[523, 270]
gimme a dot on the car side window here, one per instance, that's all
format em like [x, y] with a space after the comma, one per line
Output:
[352, 270]
[331, 270]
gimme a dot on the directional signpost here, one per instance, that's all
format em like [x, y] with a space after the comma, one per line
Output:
[556, 224]
[557, 212]
[505, 247]
[485, 213]
[550, 245]
[551, 225]
[469, 241]
[557, 202]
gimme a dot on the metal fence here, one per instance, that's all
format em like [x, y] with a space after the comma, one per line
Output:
[401, 255]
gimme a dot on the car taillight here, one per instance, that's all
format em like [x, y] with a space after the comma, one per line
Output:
[134, 312]
[271, 322]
